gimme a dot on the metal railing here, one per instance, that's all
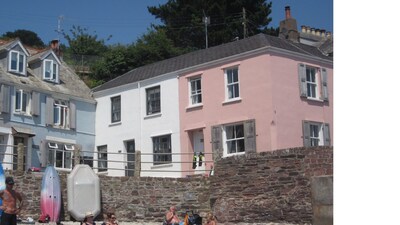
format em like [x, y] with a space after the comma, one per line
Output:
[137, 164]
[16, 159]
[133, 164]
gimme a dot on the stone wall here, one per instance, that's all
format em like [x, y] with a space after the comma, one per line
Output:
[269, 186]
[260, 188]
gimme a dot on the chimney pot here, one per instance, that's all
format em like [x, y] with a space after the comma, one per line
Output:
[313, 31]
[318, 32]
[323, 33]
[287, 12]
[303, 29]
[308, 29]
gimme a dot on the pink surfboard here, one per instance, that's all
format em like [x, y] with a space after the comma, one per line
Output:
[50, 195]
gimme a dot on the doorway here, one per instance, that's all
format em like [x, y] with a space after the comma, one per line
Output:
[198, 151]
[130, 150]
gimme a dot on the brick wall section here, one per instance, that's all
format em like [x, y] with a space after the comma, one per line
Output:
[269, 186]
[263, 187]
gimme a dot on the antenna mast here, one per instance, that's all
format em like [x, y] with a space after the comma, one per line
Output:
[206, 20]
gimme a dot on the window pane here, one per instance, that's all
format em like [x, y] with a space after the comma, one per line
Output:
[116, 109]
[162, 149]
[56, 115]
[153, 101]
[240, 145]
[229, 132]
[18, 100]
[21, 63]
[239, 131]
[54, 71]
[102, 157]
[24, 101]
[68, 160]
[59, 159]
[47, 69]
[14, 60]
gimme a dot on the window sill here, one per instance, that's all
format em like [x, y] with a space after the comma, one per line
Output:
[233, 154]
[22, 114]
[63, 169]
[115, 124]
[152, 116]
[194, 106]
[168, 165]
[62, 128]
[315, 99]
[230, 101]
[102, 173]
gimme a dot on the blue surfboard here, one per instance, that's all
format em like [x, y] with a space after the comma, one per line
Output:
[2, 184]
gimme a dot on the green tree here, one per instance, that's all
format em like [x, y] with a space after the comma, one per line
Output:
[112, 64]
[229, 20]
[152, 47]
[27, 37]
[82, 43]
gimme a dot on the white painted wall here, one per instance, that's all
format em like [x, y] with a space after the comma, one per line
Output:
[135, 125]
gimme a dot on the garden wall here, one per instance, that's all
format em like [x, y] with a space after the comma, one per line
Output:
[252, 188]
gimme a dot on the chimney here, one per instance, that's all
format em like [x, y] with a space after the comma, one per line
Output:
[55, 46]
[288, 27]
[287, 12]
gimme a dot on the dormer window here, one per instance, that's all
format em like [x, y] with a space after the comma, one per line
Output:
[17, 62]
[50, 71]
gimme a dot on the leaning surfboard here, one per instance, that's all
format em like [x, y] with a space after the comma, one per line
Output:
[2, 185]
[50, 195]
[83, 188]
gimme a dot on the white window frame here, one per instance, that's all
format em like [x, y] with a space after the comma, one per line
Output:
[102, 158]
[115, 112]
[63, 149]
[235, 139]
[195, 92]
[53, 66]
[61, 109]
[149, 106]
[159, 148]
[19, 64]
[20, 96]
[312, 82]
[316, 134]
[235, 85]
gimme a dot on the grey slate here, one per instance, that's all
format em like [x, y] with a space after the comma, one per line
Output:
[208, 55]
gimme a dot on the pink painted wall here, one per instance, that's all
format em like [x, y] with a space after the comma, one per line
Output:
[269, 92]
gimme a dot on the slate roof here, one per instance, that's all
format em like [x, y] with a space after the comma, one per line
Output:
[70, 82]
[208, 55]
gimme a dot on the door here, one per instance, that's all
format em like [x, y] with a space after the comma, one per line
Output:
[130, 150]
[198, 148]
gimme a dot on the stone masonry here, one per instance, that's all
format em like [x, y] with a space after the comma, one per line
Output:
[267, 187]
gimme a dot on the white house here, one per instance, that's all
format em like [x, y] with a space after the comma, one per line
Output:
[142, 115]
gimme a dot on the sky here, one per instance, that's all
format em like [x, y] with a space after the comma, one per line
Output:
[127, 20]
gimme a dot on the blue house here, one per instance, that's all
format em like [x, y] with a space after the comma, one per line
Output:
[45, 106]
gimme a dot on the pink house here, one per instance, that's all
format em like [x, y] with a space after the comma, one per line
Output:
[260, 94]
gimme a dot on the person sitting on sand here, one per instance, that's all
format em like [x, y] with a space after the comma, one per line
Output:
[171, 217]
[112, 219]
[210, 219]
[88, 219]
